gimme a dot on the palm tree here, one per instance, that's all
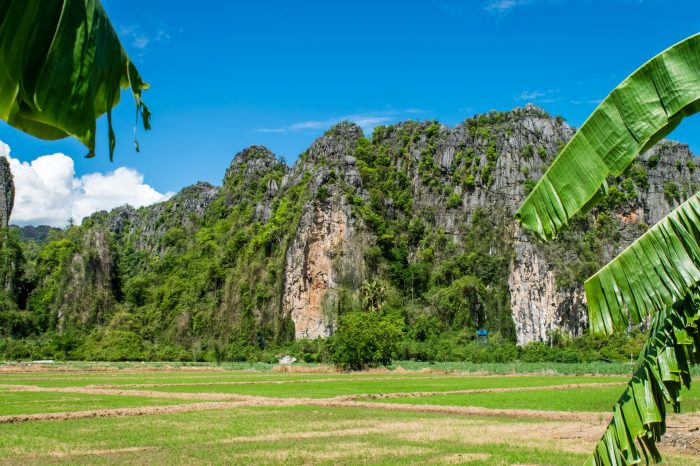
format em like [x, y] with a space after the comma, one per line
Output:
[62, 67]
[656, 277]
[372, 295]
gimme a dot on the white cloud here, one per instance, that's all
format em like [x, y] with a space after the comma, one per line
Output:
[47, 191]
[4, 150]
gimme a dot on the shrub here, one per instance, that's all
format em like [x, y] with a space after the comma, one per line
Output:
[529, 184]
[454, 201]
[671, 191]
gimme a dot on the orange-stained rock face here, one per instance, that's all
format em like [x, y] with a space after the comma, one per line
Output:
[309, 272]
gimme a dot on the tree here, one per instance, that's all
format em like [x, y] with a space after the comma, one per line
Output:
[658, 276]
[373, 295]
[62, 67]
[365, 339]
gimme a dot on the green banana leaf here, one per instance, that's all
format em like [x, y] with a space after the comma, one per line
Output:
[659, 274]
[653, 273]
[643, 109]
[62, 67]
[664, 368]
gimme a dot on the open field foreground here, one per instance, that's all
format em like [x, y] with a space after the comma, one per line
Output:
[108, 415]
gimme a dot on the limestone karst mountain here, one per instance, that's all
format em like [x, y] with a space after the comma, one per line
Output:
[277, 252]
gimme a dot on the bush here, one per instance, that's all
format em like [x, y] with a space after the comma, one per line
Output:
[364, 339]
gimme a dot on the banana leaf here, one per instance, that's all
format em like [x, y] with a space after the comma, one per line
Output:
[639, 416]
[643, 109]
[62, 67]
[653, 273]
[659, 274]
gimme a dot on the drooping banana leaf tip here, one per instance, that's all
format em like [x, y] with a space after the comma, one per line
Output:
[50, 45]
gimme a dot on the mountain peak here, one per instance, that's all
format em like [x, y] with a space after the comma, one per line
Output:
[253, 161]
[346, 130]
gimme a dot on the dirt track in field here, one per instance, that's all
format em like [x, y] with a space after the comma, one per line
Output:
[274, 382]
[380, 396]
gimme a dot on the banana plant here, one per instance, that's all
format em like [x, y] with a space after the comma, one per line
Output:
[62, 67]
[658, 276]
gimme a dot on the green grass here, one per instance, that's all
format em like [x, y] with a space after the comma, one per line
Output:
[302, 434]
[81, 379]
[597, 399]
[45, 402]
[358, 386]
[517, 367]
[294, 435]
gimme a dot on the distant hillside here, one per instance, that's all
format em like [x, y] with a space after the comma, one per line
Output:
[35, 233]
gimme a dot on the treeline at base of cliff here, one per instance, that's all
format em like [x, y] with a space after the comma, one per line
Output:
[398, 246]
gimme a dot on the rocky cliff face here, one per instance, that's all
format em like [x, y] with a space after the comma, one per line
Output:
[7, 192]
[280, 252]
[323, 234]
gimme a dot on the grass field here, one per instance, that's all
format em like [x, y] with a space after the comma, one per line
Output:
[135, 414]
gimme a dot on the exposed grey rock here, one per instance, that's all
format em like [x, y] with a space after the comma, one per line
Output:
[7, 192]
[251, 162]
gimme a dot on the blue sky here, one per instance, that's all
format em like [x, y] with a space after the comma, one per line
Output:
[227, 74]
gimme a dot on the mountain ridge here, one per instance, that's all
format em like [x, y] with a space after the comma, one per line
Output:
[278, 252]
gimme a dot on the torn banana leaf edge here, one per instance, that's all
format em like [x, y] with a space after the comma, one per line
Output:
[653, 273]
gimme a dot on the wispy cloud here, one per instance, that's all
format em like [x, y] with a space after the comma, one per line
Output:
[531, 95]
[499, 7]
[141, 37]
[587, 102]
[366, 121]
[415, 111]
[538, 96]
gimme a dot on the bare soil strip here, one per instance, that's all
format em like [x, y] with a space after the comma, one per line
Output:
[248, 401]
[336, 379]
[379, 396]
[141, 393]
[118, 412]
[111, 451]
[254, 382]
[468, 410]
